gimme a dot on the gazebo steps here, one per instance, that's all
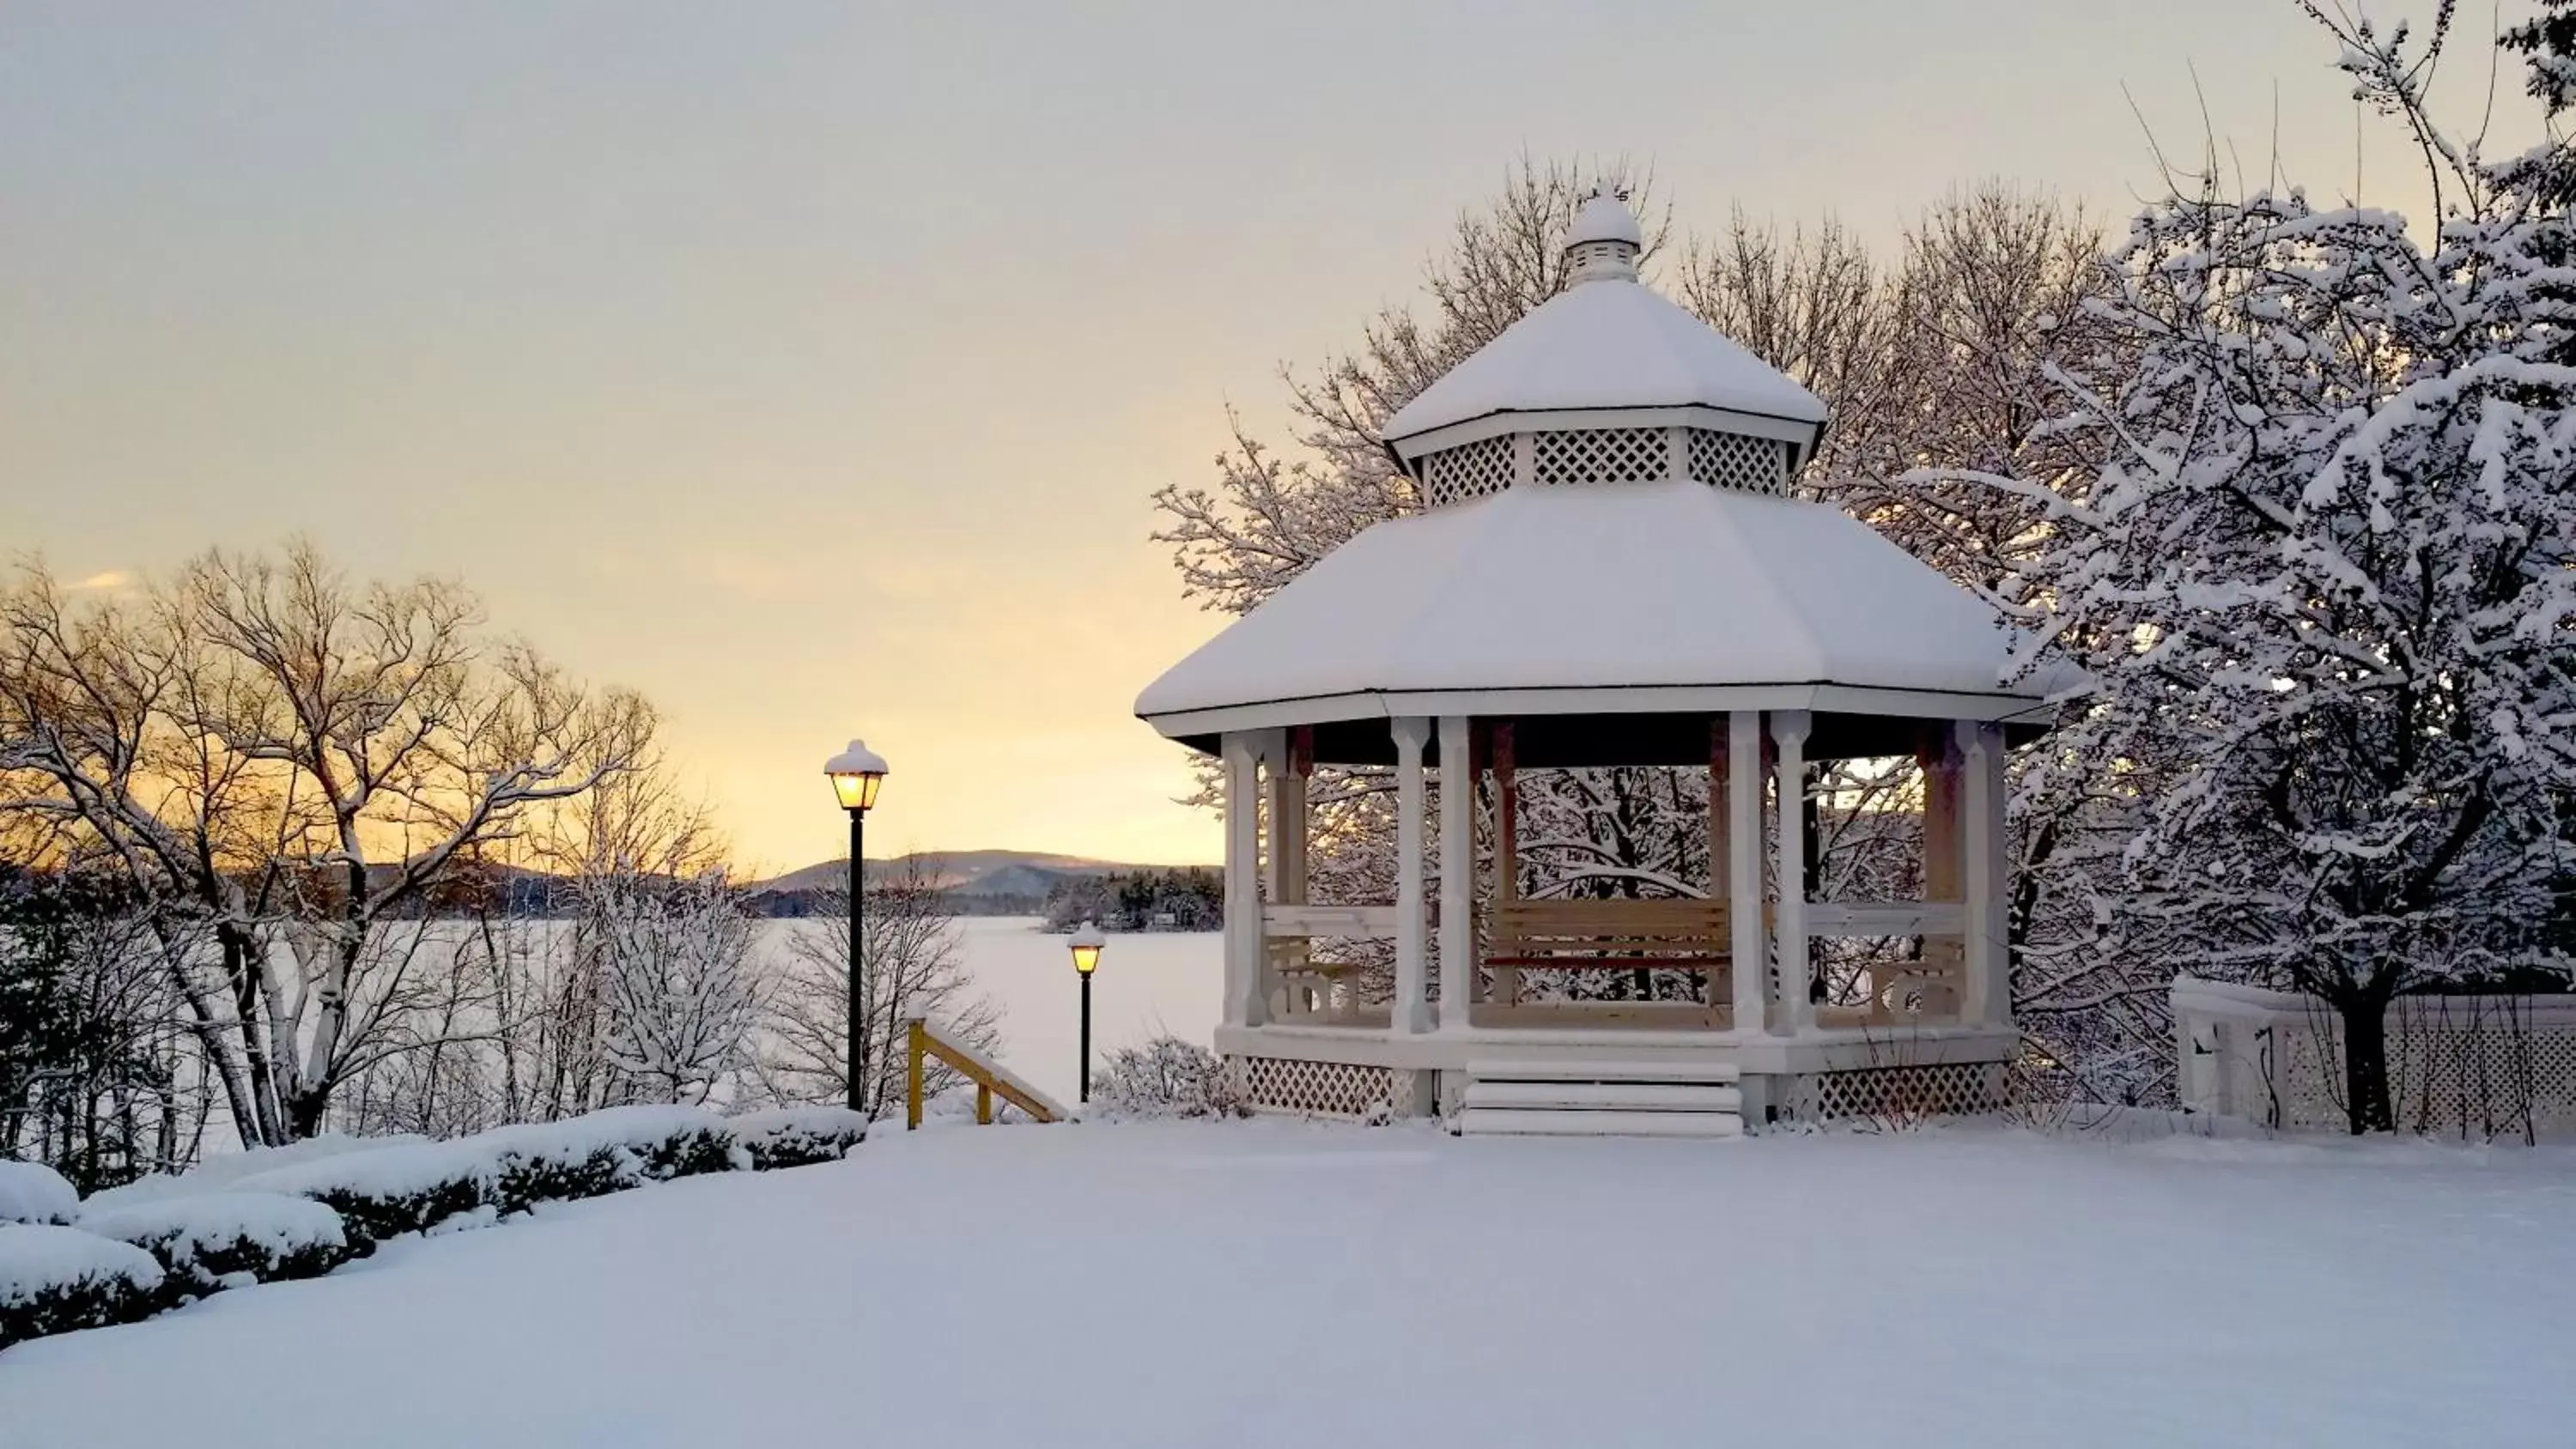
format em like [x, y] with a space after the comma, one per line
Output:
[1603, 1096]
[1553, 1070]
[1493, 1122]
[1600, 1099]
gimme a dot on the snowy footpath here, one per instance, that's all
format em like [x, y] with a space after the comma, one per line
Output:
[1280, 1284]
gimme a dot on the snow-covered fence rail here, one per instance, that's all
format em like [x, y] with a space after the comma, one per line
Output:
[2479, 1067]
[924, 1041]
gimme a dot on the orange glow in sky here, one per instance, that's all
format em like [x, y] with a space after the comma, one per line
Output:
[809, 366]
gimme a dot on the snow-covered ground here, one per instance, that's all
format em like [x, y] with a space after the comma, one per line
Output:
[1279, 1284]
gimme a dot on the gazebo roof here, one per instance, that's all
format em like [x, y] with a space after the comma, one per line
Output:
[1611, 343]
[1649, 597]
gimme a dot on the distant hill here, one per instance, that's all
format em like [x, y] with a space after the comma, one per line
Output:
[978, 882]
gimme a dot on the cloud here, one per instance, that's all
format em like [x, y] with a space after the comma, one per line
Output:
[109, 579]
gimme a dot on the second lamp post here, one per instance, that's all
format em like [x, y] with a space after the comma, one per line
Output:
[1087, 941]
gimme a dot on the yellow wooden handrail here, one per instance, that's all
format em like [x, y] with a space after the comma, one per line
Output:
[922, 1043]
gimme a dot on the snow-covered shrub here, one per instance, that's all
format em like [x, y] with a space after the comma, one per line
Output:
[389, 1190]
[416, 1185]
[55, 1279]
[604, 1152]
[31, 1192]
[797, 1136]
[217, 1174]
[1166, 1077]
[204, 1241]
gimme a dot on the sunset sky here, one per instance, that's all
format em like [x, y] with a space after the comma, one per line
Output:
[809, 366]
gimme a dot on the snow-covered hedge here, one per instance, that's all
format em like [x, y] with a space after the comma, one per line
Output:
[797, 1136]
[311, 1207]
[31, 1192]
[417, 1185]
[390, 1190]
[1165, 1077]
[217, 1239]
[54, 1280]
[220, 1172]
[604, 1152]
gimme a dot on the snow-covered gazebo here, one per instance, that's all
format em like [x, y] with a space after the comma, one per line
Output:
[1609, 571]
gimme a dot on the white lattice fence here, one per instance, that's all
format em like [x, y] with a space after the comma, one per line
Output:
[1473, 470]
[1315, 1089]
[2482, 1067]
[1908, 1093]
[1600, 455]
[1733, 460]
[2476, 1066]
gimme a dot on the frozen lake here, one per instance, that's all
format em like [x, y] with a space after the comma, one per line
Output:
[1147, 986]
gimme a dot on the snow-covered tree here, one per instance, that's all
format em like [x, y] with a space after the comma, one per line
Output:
[680, 995]
[95, 1080]
[2325, 579]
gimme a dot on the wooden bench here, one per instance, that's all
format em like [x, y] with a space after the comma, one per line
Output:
[1607, 935]
[1622, 934]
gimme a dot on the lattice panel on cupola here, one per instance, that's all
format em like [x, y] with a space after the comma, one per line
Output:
[1474, 470]
[1600, 455]
[1733, 460]
[1315, 1089]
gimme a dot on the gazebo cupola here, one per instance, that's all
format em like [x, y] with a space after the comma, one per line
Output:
[1609, 570]
[1605, 383]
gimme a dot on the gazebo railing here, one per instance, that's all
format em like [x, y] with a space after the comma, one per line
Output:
[1681, 933]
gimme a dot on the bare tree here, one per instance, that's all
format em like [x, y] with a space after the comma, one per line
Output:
[286, 768]
[911, 967]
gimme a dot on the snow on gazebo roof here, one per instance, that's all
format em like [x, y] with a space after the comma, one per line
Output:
[1607, 341]
[1642, 589]
[1614, 538]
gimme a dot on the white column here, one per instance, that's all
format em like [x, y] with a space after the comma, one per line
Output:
[1282, 820]
[1412, 939]
[1749, 944]
[1289, 827]
[1988, 989]
[1789, 798]
[1943, 838]
[1243, 1003]
[1457, 874]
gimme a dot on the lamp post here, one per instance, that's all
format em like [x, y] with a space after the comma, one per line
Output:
[856, 772]
[1086, 943]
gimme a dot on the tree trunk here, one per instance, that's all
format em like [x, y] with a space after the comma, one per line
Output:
[264, 1130]
[304, 1112]
[2365, 1062]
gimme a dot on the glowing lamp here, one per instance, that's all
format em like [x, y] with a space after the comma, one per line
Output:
[1086, 945]
[856, 772]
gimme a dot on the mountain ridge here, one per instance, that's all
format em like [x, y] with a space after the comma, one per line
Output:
[963, 874]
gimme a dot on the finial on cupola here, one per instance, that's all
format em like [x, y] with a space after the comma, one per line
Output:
[1604, 242]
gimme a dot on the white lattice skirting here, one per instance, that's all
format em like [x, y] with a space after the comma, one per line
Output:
[1910, 1093]
[1316, 1089]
